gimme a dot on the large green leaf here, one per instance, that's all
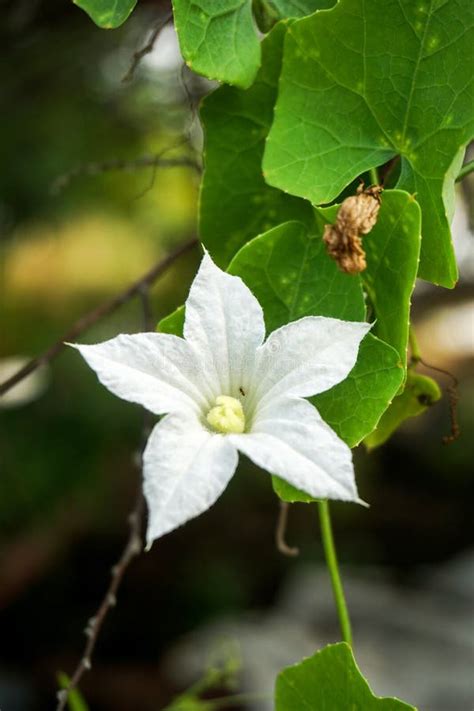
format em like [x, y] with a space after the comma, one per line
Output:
[291, 275]
[108, 14]
[392, 249]
[366, 81]
[236, 204]
[329, 681]
[354, 407]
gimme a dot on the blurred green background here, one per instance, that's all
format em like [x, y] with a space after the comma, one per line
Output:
[68, 448]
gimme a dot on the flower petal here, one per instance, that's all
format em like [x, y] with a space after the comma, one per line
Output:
[289, 438]
[225, 322]
[156, 370]
[308, 356]
[186, 469]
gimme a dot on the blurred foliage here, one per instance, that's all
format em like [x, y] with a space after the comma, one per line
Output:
[220, 673]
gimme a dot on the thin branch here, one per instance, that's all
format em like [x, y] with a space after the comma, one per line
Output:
[280, 532]
[118, 164]
[453, 399]
[99, 313]
[147, 48]
[133, 547]
[451, 391]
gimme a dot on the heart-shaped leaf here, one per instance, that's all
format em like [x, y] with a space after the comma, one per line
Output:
[363, 83]
[330, 680]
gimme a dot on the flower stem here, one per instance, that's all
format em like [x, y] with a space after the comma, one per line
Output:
[333, 567]
[415, 348]
[374, 176]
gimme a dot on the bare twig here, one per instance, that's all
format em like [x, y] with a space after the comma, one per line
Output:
[132, 548]
[147, 48]
[453, 399]
[451, 390]
[117, 164]
[98, 313]
[280, 532]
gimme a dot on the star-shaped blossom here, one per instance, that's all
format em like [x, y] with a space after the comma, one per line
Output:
[224, 389]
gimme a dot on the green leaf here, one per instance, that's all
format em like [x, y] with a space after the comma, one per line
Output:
[362, 83]
[236, 204]
[268, 264]
[420, 393]
[329, 681]
[173, 323]
[392, 250]
[75, 700]
[107, 14]
[291, 275]
[290, 494]
[354, 407]
[218, 38]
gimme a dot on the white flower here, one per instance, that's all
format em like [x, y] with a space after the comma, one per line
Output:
[223, 390]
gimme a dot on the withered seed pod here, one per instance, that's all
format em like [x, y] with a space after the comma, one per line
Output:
[357, 215]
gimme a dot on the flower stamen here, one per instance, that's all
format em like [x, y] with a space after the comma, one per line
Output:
[227, 415]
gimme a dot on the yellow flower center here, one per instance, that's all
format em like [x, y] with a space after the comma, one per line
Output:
[227, 415]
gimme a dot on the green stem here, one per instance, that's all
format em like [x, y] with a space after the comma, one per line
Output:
[374, 176]
[415, 348]
[465, 170]
[333, 567]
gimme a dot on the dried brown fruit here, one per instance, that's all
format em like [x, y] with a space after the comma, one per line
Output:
[357, 215]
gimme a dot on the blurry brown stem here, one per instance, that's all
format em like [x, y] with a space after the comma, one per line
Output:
[147, 48]
[97, 314]
[132, 548]
[118, 164]
[451, 390]
[280, 532]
